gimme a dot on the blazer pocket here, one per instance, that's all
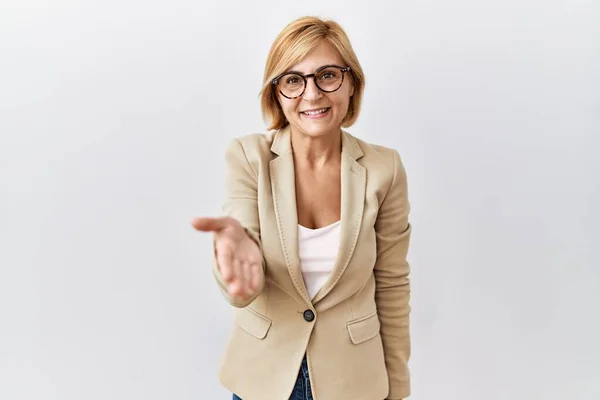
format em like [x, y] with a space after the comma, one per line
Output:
[364, 328]
[252, 322]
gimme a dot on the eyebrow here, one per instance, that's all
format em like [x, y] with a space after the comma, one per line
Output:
[316, 70]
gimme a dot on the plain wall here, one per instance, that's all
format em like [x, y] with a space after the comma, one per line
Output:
[114, 116]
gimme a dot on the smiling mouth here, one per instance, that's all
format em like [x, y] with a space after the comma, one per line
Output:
[315, 112]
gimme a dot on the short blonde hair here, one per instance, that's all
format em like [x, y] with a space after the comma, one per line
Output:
[292, 44]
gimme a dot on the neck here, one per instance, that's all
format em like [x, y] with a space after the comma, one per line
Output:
[316, 152]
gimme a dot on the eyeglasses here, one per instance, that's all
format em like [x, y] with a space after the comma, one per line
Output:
[328, 78]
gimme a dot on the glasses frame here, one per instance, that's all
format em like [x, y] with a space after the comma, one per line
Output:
[343, 70]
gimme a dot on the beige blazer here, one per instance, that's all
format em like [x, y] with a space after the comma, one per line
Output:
[357, 343]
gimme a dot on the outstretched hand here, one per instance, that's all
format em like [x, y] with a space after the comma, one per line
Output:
[239, 259]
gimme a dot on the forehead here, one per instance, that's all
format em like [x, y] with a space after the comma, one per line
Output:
[323, 54]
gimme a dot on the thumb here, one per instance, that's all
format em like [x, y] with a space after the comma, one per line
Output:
[207, 224]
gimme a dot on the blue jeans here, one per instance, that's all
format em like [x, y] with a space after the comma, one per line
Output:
[301, 388]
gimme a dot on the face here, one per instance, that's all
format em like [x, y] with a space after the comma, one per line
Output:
[318, 113]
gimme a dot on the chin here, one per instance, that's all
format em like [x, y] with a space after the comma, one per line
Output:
[317, 129]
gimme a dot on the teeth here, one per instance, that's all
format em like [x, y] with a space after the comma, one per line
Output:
[315, 112]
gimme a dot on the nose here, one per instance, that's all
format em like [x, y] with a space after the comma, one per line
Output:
[311, 92]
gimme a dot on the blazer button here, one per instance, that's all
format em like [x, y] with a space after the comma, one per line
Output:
[309, 315]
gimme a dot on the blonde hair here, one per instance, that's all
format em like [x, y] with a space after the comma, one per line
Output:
[292, 44]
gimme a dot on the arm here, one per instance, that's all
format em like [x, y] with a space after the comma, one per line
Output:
[392, 293]
[241, 204]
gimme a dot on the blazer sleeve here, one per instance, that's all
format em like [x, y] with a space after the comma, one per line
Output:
[241, 203]
[392, 293]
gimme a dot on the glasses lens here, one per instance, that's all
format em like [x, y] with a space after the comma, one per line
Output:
[329, 79]
[291, 85]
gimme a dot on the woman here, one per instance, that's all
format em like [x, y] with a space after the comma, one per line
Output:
[312, 250]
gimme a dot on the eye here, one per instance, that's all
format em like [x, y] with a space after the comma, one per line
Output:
[292, 80]
[329, 75]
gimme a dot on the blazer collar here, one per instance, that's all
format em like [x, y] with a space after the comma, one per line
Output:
[282, 143]
[353, 186]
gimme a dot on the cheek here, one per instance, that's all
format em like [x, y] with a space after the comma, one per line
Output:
[342, 103]
[288, 106]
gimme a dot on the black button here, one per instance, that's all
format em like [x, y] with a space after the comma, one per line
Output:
[309, 315]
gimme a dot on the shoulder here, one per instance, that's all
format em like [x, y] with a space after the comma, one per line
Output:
[373, 150]
[382, 161]
[254, 146]
[386, 175]
[252, 149]
[254, 142]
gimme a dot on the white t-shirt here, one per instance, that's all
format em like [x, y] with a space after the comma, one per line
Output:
[318, 249]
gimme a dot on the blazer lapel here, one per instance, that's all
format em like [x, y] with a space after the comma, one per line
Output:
[353, 185]
[283, 186]
[354, 179]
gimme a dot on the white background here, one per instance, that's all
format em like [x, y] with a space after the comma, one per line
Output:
[113, 120]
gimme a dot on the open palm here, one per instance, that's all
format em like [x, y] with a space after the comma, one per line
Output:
[239, 258]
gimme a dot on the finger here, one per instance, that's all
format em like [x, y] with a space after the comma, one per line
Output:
[256, 274]
[225, 262]
[246, 279]
[208, 224]
[237, 284]
[247, 268]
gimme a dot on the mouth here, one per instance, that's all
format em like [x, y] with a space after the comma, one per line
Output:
[315, 113]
